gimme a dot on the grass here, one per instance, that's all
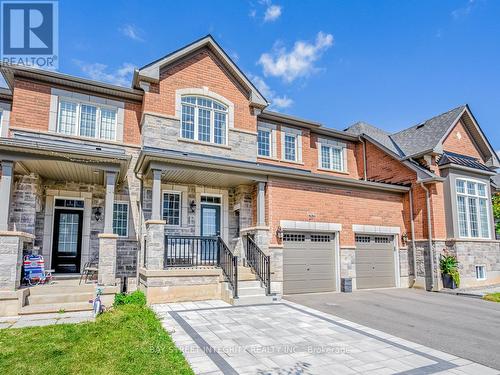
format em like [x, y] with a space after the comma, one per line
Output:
[127, 340]
[494, 297]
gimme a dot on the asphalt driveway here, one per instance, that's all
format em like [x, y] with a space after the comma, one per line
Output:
[462, 326]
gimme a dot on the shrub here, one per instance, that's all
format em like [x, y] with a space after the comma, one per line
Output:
[136, 298]
[449, 265]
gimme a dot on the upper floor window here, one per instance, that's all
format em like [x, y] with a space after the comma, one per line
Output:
[473, 209]
[264, 142]
[204, 119]
[291, 140]
[86, 120]
[331, 155]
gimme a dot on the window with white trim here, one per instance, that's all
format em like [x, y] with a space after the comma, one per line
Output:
[86, 120]
[290, 147]
[264, 142]
[331, 155]
[204, 119]
[472, 208]
[120, 219]
[171, 208]
[481, 272]
[291, 144]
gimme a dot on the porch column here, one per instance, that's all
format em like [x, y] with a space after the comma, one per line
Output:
[261, 204]
[156, 192]
[5, 193]
[109, 181]
[107, 240]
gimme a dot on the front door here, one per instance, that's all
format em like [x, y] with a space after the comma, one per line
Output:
[210, 227]
[67, 241]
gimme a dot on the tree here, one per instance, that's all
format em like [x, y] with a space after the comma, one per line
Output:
[496, 211]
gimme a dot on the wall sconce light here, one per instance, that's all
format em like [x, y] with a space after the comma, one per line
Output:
[97, 213]
[279, 233]
[404, 237]
[192, 206]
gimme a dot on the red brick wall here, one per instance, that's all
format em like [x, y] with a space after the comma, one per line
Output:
[202, 69]
[303, 201]
[460, 141]
[383, 167]
[31, 106]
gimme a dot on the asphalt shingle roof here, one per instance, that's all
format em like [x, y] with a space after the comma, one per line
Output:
[377, 134]
[426, 135]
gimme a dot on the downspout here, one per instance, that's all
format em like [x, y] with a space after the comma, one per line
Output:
[429, 230]
[412, 226]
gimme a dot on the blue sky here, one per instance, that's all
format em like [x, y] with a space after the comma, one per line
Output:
[390, 63]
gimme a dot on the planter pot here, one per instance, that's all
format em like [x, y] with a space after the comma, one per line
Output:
[448, 281]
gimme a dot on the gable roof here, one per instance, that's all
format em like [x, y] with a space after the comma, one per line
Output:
[151, 71]
[425, 136]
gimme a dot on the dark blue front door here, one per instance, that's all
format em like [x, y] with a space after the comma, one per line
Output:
[210, 227]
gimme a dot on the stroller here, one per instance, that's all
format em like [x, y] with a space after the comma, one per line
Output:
[34, 271]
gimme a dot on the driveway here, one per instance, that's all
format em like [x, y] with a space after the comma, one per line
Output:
[288, 338]
[463, 326]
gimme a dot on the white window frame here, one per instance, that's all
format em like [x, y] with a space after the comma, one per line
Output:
[484, 269]
[466, 195]
[78, 104]
[128, 216]
[212, 119]
[179, 193]
[271, 129]
[297, 133]
[332, 144]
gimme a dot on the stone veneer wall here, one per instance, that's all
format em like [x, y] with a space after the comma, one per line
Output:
[27, 197]
[164, 133]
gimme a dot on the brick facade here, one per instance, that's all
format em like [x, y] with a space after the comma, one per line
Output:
[460, 142]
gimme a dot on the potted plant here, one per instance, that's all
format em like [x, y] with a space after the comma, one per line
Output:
[449, 270]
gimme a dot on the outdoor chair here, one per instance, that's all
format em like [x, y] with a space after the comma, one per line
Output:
[90, 269]
[34, 272]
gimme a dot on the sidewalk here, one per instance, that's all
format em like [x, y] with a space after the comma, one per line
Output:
[39, 320]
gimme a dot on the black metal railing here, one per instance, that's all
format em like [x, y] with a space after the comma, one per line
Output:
[195, 251]
[259, 262]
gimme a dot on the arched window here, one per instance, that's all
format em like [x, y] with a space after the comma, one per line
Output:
[204, 119]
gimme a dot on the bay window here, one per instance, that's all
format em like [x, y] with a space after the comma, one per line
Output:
[86, 120]
[204, 119]
[472, 209]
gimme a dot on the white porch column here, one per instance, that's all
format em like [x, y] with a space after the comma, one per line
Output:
[5, 193]
[109, 181]
[261, 204]
[156, 192]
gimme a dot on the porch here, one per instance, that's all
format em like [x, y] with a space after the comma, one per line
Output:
[57, 200]
[205, 233]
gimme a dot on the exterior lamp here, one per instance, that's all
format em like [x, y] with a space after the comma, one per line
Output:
[192, 206]
[97, 213]
[279, 233]
[404, 237]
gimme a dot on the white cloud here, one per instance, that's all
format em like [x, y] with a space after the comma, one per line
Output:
[269, 94]
[463, 11]
[132, 32]
[273, 12]
[100, 72]
[299, 62]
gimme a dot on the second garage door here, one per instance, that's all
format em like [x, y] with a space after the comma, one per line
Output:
[374, 262]
[308, 263]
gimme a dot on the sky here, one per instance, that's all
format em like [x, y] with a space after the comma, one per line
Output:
[390, 63]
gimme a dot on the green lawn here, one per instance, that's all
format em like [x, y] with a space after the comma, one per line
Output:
[494, 297]
[126, 340]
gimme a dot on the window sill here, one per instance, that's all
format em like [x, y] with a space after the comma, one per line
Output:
[201, 143]
[292, 162]
[268, 158]
[332, 171]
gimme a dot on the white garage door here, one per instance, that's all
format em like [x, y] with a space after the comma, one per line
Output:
[309, 262]
[374, 261]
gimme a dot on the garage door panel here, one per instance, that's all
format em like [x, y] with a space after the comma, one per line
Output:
[374, 262]
[308, 263]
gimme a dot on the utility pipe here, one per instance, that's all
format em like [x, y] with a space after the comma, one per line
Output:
[429, 230]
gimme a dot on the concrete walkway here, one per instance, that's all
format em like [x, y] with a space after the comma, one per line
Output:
[39, 320]
[288, 338]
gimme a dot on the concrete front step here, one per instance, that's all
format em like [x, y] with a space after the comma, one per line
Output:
[249, 284]
[61, 289]
[242, 292]
[252, 300]
[54, 298]
[55, 307]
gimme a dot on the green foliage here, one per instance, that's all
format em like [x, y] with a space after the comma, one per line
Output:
[449, 265]
[496, 211]
[127, 340]
[494, 297]
[136, 298]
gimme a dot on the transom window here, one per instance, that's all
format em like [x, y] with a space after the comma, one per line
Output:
[332, 158]
[264, 142]
[86, 120]
[472, 208]
[172, 208]
[120, 219]
[204, 119]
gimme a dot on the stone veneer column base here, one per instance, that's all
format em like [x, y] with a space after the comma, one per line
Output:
[107, 259]
[155, 244]
[11, 258]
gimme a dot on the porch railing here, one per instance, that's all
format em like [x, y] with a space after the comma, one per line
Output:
[259, 262]
[195, 251]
